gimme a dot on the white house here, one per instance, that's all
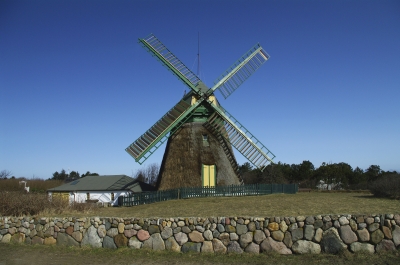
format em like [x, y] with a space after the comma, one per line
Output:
[333, 186]
[103, 189]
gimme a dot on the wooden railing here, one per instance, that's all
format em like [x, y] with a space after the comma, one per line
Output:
[197, 192]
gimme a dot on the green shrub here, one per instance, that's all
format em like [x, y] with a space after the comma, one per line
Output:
[386, 186]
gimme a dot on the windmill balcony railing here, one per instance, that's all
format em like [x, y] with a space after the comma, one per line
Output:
[200, 192]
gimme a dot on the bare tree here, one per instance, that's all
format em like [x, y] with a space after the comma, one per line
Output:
[148, 174]
[4, 174]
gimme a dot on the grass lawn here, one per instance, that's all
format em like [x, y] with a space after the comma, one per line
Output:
[40, 254]
[312, 203]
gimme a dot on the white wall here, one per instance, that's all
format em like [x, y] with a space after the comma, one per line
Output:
[101, 196]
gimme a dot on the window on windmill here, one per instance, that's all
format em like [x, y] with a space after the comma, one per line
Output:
[205, 140]
[88, 196]
[112, 196]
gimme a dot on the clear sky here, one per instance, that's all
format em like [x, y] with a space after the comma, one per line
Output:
[76, 88]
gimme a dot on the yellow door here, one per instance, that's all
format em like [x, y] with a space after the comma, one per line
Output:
[209, 175]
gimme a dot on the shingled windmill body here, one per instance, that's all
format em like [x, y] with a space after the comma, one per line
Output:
[199, 131]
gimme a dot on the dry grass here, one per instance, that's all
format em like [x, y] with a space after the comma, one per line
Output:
[14, 201]
[313, 203]
[36, 185]
[17, 203]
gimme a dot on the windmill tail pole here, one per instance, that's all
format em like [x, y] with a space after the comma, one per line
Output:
[198, 53]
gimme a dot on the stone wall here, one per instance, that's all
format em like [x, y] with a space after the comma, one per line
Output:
[284, 235]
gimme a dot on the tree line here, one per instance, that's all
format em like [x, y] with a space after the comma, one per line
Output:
[63, 175]
[337, 175]
[148, 174]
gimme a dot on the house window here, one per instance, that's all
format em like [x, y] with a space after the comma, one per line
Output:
[88, 196]
[112, 196]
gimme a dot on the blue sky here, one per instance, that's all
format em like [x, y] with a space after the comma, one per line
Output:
[76, 88]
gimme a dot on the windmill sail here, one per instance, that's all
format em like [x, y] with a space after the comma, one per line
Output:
[249, 146]
[153, 138]
[168, 59]
[186, 120]
[242, 69]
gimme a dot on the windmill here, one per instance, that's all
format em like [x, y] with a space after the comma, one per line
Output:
[200, 132]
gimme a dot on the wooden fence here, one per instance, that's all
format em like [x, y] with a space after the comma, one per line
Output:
[197, 192]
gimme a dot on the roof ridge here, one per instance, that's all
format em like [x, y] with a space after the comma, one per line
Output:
[123, 181]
